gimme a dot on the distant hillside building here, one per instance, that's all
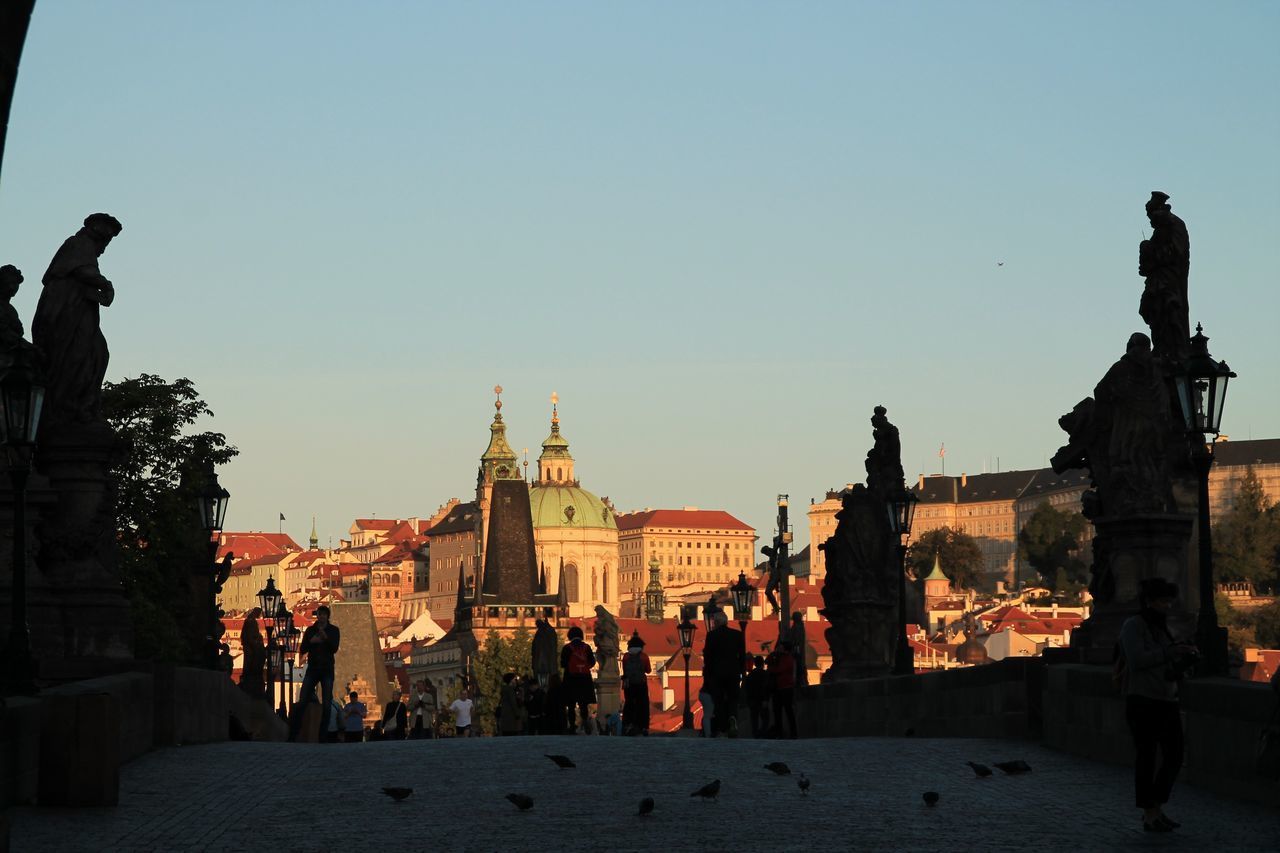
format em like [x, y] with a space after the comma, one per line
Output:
[703, 548]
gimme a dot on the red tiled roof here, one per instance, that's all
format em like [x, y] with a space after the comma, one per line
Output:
[376, 523]
[396, 555]
[699, 519]
[251, 545]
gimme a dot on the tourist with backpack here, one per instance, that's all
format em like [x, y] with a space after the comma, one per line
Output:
[577, 660]
[635, 688]
[1151, 664]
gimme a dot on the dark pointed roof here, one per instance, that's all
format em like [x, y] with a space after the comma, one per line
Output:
[510, 563]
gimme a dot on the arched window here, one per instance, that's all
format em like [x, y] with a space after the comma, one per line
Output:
[559, 474]
[604, 584]
[570, 581]
[593, 585]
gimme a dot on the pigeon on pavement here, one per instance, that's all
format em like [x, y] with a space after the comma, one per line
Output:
[520, 801]
[562, 761]
[980, 769]
[779, 768]
[931, 798]
[708, 791]
[397, 794]
[1014, 767]
[646, 806]
[803, 782]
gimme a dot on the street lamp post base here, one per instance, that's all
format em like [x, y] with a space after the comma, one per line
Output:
[687, 724]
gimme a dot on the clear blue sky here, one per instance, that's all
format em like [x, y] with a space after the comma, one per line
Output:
[723, 232]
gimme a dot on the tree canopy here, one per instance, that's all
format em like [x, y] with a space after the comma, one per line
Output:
[157, 474]
[1246, 539]
[1052, 542]
[495, 658]
[959, 553]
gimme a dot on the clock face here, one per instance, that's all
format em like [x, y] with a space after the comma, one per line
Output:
[502, 470]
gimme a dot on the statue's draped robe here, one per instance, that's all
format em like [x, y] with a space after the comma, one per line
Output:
[66, 328]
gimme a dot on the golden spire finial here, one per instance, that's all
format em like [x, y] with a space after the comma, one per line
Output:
[555, 412]
[497, 390]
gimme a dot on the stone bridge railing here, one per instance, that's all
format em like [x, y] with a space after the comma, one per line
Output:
[1069, 707]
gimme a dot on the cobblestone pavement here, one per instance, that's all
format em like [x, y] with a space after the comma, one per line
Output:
[865, 795]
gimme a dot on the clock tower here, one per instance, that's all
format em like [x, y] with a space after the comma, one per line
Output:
[497, 463]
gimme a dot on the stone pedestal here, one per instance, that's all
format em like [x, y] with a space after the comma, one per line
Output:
[858, 638]
[607, 689]
[1126, 551]
[80, 618]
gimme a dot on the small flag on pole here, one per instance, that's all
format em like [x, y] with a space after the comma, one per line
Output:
[282, 516]
[942, 453]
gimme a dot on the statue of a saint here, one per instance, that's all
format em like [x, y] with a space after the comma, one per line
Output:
[546, 652]
[1165, 262]
[884, 460]
[66, 326]
[1133, 409]
[606, 634]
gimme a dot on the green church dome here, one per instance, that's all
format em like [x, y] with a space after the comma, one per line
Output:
[569, 506]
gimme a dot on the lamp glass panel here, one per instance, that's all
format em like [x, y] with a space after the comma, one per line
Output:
[1217, 398]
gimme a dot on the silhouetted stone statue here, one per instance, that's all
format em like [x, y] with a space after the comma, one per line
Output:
[1121, 435]
[884, 460]
[860, 593]
[11, 330]
[66, 327]
[608, 699]
[1165, 261]
[546, 652]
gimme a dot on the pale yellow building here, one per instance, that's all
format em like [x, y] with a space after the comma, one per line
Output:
[822, 526]
[1232, 460]
[707, 548]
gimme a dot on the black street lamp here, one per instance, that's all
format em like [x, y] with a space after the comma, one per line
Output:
[1202, 390]
[292, 642]
[211, 503]
[686, 629]
[902, 511]
[709, 611]
[282, 622]
[270, 599]
[21, 399]
[744, 595]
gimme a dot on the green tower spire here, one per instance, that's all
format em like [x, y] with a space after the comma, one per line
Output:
[499, 460]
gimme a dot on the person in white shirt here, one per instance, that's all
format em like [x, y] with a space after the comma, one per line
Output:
[461, 708]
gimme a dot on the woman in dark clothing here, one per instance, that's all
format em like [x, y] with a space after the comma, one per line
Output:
[255, 655]
[395, 719]
[782, 667]
[1152, 664]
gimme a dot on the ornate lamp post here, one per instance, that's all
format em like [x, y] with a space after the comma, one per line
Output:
[1202, 390]
[270, 599]
[292, 642]
[744, 595]
[686, 629]
[709, 611]
[212, 503]
[902, 510]
[283, 622]
[21, 398]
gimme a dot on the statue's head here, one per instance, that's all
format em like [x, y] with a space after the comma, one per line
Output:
[103, 227]
[878, 416]
[1139, 345]
[1157, 206]
[10, 278]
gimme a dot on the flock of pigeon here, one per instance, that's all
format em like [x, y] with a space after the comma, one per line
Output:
[711, 790]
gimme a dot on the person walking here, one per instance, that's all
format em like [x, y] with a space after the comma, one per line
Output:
[782, 669]
[577, 661]
[1151, 665]
[319, 646]
[353, 719]
[255, 655]
[723, 658]
[424, 711]
[510, 712]
[635, 688]
[395, 718]
[461, 708]
[756, 686]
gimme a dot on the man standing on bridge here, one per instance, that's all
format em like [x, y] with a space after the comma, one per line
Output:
[319, 646]
[723, 658]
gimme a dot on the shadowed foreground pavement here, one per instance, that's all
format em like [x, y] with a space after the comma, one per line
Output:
[866, 794]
